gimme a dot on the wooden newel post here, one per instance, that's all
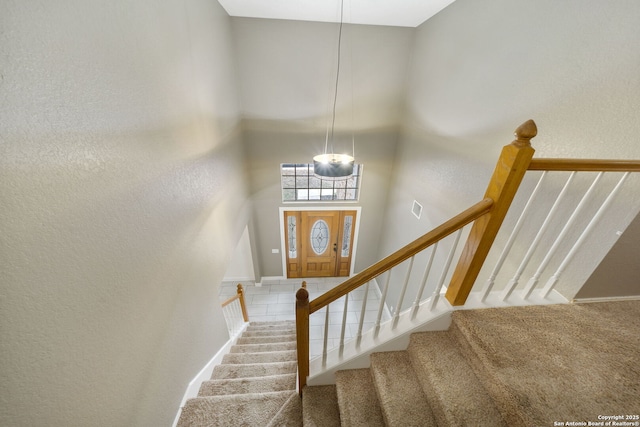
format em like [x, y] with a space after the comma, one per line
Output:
[507, 176]
[302, 335]
[243, 305]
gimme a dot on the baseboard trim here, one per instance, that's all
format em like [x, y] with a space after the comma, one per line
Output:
[206, 372]
[239, 279]
[605, 299]
[270, 278]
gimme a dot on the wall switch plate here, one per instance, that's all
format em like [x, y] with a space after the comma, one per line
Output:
[275, 251]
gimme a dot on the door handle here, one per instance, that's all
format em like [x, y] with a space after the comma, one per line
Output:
[335, 247]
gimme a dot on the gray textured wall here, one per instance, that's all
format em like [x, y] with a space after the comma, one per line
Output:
[480, 69]
[122, 198]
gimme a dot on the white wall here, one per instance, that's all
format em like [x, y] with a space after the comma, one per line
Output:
[122, 198]
[240, 266]
[480, 69]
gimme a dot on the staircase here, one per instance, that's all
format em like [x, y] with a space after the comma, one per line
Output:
[516, 366]
[254, 386]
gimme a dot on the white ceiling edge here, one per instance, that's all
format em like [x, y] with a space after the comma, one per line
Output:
[397, 13]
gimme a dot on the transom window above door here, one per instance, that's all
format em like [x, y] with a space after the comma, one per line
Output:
[299, 184]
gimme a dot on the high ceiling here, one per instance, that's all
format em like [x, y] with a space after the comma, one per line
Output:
[401, 13]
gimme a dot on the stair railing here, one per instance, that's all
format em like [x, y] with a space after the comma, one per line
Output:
[234, 310]
[576, 220]
[486, 216]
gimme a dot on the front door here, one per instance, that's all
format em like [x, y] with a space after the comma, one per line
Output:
[319, 243]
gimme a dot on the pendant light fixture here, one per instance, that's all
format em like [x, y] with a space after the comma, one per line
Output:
[330, 164]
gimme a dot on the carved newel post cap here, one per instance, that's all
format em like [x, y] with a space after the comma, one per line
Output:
[526, 131]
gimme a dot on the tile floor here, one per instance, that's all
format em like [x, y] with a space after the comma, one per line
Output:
[275, 300]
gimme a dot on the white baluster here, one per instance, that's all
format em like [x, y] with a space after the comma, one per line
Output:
[326, 337]
[551, 283]
[513, 283]
[445, 271]
[236, 309]
[344, 323]
[362, 313]
[240, 319]
[512, 238]
[383, 297]
[230, 319]
[226, 318]
[533, 282]
[396, 314]
[425, 276]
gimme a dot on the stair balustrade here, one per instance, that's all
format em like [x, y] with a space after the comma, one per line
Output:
[575, 223]
[234, 310]
[485, 220]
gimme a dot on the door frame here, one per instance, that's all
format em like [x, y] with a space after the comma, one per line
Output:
[356, 230]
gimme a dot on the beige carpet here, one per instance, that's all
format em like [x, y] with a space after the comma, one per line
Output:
[518, 366]
[320, 407]
[254, 386]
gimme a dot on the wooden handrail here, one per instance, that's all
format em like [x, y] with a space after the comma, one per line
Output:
[584, 165]
[454, 224]
[238, 296]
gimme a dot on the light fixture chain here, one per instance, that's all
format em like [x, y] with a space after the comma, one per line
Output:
[335, 97]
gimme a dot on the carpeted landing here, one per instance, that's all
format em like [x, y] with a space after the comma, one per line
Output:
[254, 386]
[517, 366]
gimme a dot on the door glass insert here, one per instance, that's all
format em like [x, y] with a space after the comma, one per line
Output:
[319, 237]
[346, 236]
[291, 226]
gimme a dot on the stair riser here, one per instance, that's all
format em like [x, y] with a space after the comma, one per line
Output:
[266, 357]
[268, 333]
[253, 370]
[259, 348]
[267, 340]
[248, 385]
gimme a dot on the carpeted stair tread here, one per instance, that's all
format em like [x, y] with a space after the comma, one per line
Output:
[243, 410]
[253, 370]
[618, 314]
[274, 323]
[268, 333]
[454, 393]
[266, 340]
[257, 348]
[357, 399]
[290, 414]
[248, 385]
[263, 357]
[320, 407]
[271, 326]
[401, 397]
[546, 363]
